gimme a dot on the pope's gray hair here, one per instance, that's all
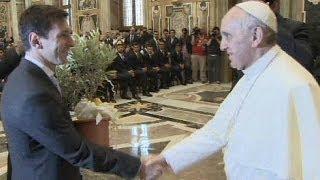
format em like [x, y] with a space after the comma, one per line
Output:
[250, 22]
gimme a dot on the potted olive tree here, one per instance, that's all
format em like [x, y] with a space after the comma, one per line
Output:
[80, 80]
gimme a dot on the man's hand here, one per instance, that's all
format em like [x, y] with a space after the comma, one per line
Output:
[153, 168]
[131, 72]
[144, 69]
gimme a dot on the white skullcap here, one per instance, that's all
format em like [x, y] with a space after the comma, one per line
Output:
[260, 11]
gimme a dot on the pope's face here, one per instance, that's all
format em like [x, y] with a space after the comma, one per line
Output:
[235, 40]
[58, 43]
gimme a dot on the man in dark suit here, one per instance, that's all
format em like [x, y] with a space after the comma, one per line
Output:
[136, 61]
[171, 44]
[177, 63]
[43, 142]
[125, 74]
[132, 37]
[165, 66]
[293, 37]
[11, 60]
[152, 62]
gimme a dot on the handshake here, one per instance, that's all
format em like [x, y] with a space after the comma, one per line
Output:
[153, 167]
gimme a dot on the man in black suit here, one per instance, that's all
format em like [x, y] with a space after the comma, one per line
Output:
[177, 63]
[11, 60]
[293, 37]
[136, 61]
[108, 39]
[165, 66]
[132, 37]
[152, 62]
[43, 142]
[171, 44]
[125, 74]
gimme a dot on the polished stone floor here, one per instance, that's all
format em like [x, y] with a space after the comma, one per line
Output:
[155, 123]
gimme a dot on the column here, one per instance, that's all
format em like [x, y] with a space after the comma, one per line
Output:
[14, 20]
[105, 16]
[48, 2]
[28, 3]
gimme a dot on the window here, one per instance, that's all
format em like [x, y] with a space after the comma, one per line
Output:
[127, 13]
[133, 12]
[139, 13]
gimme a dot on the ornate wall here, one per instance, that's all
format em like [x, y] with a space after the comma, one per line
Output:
[4, 20]
[86, 15]
[185, 14]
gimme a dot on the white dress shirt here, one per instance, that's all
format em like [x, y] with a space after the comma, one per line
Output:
[269, 125]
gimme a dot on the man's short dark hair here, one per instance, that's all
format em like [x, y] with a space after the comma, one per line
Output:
[150, 45]
[136, 44]
[165, 30]
[39, 19]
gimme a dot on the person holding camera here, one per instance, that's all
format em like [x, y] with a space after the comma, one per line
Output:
[214, 56]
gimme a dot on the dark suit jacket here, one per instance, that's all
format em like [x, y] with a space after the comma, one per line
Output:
[43, 142]
[11, 61]
[176, 58]
[293, 38]
[137, 62]
[109, 41]
[152, 61]
[121, 65]
[130, 42]
[163, 58]
[171, 45]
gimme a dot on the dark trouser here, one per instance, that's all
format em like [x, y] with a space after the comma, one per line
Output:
[127, 81]
[178, 72]
[106, 91]
[188, 73]
[153, 80]
[165, 76]
[142, 80]
[214, 67]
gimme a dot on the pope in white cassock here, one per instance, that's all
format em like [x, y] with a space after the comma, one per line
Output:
[269, 125]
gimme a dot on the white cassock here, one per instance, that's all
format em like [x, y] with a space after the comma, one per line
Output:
[269, 125]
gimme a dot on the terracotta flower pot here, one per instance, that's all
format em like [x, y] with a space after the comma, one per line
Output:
[98, 134]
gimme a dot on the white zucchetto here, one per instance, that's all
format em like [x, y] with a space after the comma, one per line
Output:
[260, 11]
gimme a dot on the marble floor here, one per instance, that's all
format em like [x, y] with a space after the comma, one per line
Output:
[156, 123]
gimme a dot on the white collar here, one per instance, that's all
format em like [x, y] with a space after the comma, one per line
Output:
[262, 62]
[37, 62]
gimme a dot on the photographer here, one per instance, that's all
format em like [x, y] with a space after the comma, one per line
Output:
[214, 56]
